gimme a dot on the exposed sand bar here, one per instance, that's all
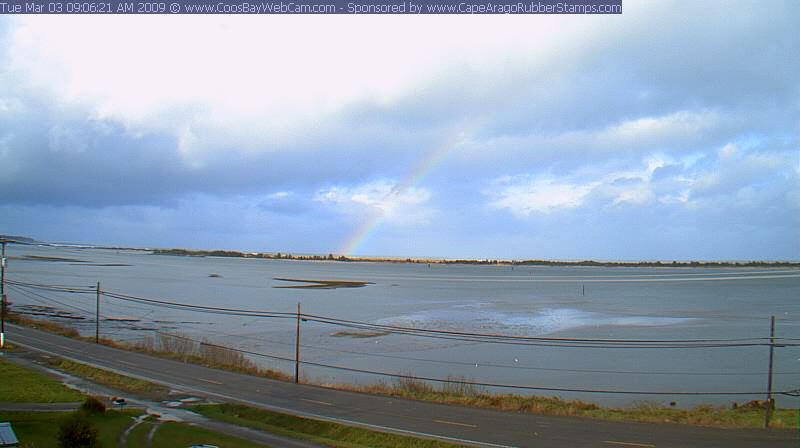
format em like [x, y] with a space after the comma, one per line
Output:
[52, 259]
[321, 284]
[359, 334]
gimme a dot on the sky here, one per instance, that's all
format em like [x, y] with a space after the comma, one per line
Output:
[670, 132]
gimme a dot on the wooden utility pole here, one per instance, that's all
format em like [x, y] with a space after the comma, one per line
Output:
[297, 349]
[770, 402]
[97, 317]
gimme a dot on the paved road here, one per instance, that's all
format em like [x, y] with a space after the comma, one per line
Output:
[165, 413]
[478, 427]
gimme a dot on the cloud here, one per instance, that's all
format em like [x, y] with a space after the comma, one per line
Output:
[737, 169]
[735, 179]
[524, 195]
[51, 154]
[683, 131]
[528, 194]
[670, 116]
[285, 202]
[230, 73]
[645, 131]
[385, 198]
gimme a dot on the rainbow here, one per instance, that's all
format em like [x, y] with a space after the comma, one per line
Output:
[421, 169]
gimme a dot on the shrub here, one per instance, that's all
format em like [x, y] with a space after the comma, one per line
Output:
[93, 406]
[412, 385]
[461, 386]
[78, 432]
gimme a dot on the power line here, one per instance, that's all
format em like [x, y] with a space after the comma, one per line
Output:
[322, 319]
[41, 297]
[542, 342]
[447, 334]
[439, 334]
[326, 319]
[200, 308]
[464, 336]
[481, 384]
[494, 365]
[70, 289]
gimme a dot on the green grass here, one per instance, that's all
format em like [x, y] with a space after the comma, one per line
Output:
[21, 385]
[113, 423]
[138, 436]
[326, 433]
[39, 429]
[114, 380]
[701, 416]
[172, 434]
[35, 429]
[454, 392]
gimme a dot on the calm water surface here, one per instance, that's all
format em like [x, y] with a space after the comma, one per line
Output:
[627, 303]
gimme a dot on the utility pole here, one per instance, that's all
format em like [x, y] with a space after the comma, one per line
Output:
[297, 349]
[97, 317]
[770, 402]
[3, 296]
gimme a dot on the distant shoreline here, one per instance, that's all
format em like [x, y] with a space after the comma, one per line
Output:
[498, 262]
[430, 261]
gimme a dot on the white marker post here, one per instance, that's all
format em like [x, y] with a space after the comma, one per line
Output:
[3, 296]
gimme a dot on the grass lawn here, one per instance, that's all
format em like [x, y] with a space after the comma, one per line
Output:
[138, 436]
[173, 434]
[329, 434]
[21, 385]
[40, 429]
[35, 429]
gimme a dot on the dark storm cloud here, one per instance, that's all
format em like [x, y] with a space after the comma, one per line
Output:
[671, 131]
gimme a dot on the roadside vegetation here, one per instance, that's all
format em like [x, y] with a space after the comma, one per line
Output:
[748, 415]
[181, 348]
[44, 325]
[456, 392]
[142, 388]
[317, 431]
[169, 346]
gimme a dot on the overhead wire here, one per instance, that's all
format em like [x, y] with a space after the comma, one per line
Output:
[533, 341]
[469, 337]
[20, 286]
[491, 364]
[534, 338]
[60, 288]
[482, 384]
[445, 334]
[41, 297]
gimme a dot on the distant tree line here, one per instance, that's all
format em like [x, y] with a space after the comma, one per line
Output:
[332, 257]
